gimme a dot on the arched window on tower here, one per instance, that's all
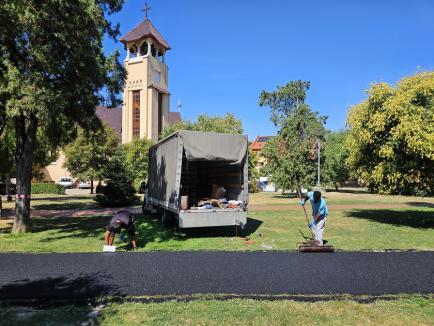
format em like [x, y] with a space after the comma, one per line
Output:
[133, 52]
[144, 48]
[153, 50]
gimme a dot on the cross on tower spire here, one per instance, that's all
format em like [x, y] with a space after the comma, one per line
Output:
[146, 9]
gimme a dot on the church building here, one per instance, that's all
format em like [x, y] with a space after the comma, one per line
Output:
[145, 110]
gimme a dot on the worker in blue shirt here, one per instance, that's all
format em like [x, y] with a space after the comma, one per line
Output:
[319, 214]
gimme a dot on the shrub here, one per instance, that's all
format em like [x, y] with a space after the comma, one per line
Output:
[118, 191]
[47, 188]
[116, 194]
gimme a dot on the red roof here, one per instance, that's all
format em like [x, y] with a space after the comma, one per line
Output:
[113, 117]
[260, 142]
[174, 117]
[142, 30]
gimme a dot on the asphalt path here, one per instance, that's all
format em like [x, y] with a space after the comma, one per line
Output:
[91, 275]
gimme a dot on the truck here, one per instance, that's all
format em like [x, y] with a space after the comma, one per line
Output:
[198, 179]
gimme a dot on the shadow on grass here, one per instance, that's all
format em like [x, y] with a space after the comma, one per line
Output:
[71, 227]
[151, 230]
[148, 229]
[348, 191]
[65, 206]
[284, 196]
[62, 197]
[59, 288]
[411, 218]
[420, 204]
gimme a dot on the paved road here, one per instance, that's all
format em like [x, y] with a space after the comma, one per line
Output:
[89, 275]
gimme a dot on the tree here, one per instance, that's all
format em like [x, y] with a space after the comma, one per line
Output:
[118, 190]
[391, 141]
[53, 69]
[87, 157]
[136, 158]
[335, 156]
[253, 172]
[226, 124]
[291, 155]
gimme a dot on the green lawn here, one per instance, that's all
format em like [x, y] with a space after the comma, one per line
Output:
[404, 311]
[407, 224]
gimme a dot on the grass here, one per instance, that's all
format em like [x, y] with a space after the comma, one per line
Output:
[404, 311]
[407, 224]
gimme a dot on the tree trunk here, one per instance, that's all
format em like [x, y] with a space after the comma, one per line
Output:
[297, 185]
[91, 186]
[25, 141]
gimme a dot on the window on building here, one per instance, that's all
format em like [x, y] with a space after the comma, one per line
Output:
[136, 114]
[144, 48]
[133, 52]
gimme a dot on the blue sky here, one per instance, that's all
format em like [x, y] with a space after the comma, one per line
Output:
[224, 53]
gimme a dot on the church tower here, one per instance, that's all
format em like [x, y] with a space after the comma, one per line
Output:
[146, 97]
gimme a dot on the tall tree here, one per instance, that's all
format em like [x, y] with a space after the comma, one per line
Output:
[53, 70]
[136, 158]
[335, 169]
[291, 155]
[391, 141]
[223, 124]
[87, 157]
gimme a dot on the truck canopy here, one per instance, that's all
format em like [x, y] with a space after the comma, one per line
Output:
[210, 146]
[193, 161]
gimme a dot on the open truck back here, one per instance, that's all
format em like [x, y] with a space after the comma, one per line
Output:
[188, 167]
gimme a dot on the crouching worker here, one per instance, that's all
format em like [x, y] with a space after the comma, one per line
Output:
[319, 214]
[121, 220]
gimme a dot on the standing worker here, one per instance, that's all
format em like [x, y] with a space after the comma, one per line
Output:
[319, 214]
[121, 220]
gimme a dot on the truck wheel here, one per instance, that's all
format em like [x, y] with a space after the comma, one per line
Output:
[167, 218]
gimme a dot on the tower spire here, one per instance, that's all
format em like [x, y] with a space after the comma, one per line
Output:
[146, 9]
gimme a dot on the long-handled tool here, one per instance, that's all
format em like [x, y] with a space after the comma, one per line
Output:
[308, 223]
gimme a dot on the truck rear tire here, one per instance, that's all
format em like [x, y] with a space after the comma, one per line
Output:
[167, 218]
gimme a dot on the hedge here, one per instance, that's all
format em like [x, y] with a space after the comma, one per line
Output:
[47, 188]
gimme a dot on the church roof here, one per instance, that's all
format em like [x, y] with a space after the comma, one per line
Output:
[113, 117]
[142, 30]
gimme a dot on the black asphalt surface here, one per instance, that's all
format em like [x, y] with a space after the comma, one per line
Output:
[91, 275]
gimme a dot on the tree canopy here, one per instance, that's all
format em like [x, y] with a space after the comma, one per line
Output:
[224, 124]
[88, 156]
[53, 73]
[291, 155]
[335, 169]
[136, 158]
[391, 141]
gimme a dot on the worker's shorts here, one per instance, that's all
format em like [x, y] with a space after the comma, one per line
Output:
[318, 229]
